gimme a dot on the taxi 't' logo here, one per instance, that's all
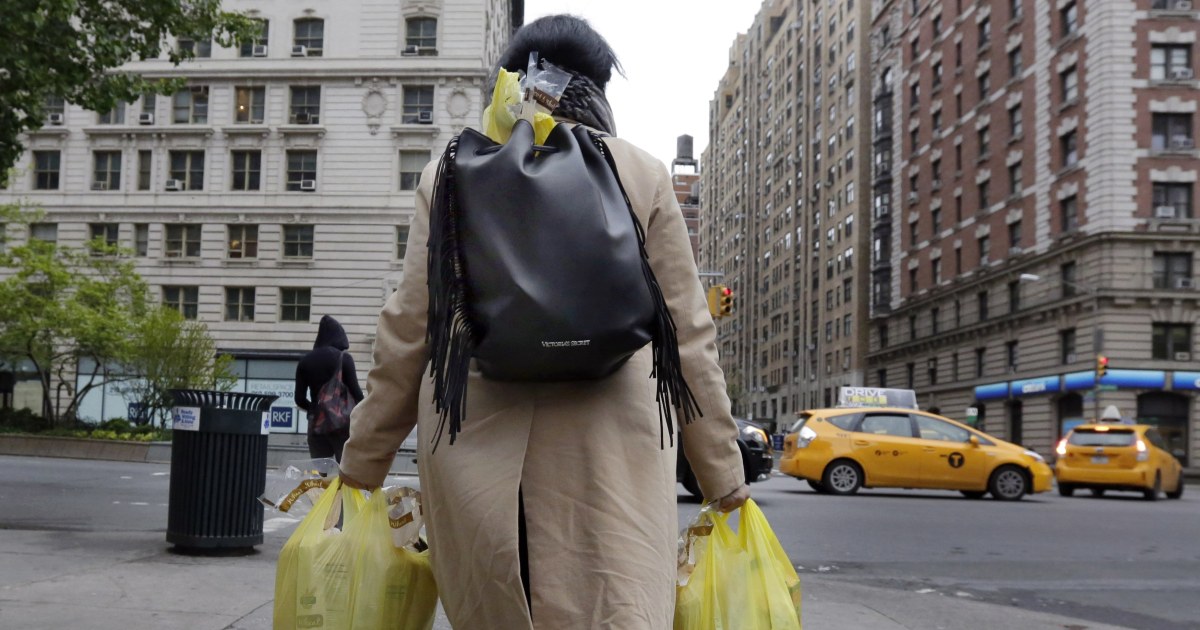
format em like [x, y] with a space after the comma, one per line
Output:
[956, 460]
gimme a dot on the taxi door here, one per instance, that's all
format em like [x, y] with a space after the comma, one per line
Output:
[948, 460]
[885, 447]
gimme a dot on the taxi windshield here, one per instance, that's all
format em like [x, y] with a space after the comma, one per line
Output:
[1088, 437]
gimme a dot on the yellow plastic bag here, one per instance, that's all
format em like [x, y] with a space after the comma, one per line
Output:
[774, 584]
[729, 581]
[393, 587]
[312, 581]
[498, 117]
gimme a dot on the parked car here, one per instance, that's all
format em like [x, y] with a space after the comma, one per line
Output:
[838, 451]
[757, 457]
[1107, 456]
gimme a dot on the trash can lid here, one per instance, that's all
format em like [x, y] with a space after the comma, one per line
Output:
[222, 400]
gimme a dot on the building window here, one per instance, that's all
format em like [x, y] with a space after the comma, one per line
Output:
[401, 241]
[985, 141]
[1069, 149]
[912, 327]
[422, 33]
[1069, 17]
[1014, 234]
[305, 105]
[1066, 346]
[106, 171]
[980, 358]
[55, 105]
[1014, 179]
[44, 232]
[141, 240]
[957, 260]
[295, 305]
[937, 25]
[183, 241]
[881, 374]
[1014, 63]
[145, 169]
[1068, 213]
[239, 304]
[931, 369]
[411, 165]
[310, 33]
[910, 371]
[958, 57]
[847, 326]
[250, 104]
[1170, 62]
[883, 335]
[104, 234]
[247, 170]
[188, 167]
[190, 106]
[243, 241]
[936, 269]
[1172, 131]
[1014, 9]
[985, 246]
[985, 84]
[935, 314]
[1172, 200]
[985, 32]
[247, 47]
[1172, 270]
[1014, 296]
[1066, 275]
[186, 300]
[297, 241]
[1171, 342]
[937, 75]
[46, 169]
[984, 192]
[198, 48]
[1011, 355]
[1069, 79]
[418, 104]
[1015, 125]
[301, 170]
[114, 116]
[982, 299]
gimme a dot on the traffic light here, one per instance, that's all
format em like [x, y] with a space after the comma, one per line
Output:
[714, 302]
[726, 305]
[1101, 366]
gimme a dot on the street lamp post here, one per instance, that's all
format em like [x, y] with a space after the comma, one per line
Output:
[1097, 332]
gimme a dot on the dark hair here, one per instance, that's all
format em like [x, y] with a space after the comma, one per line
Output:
[566, 41]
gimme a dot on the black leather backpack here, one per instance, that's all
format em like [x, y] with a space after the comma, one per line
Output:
[538, 271]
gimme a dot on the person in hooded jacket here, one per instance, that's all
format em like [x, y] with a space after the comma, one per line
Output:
[314, 371]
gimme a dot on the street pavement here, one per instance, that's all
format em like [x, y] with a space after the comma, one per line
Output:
[82, 545]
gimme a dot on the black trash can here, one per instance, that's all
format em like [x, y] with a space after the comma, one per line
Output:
[218, 469]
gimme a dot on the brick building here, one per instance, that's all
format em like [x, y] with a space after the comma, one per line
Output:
[1034, 207]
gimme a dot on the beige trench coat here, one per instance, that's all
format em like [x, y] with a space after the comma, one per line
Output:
[598, 490]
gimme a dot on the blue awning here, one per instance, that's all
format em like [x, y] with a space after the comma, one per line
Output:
[991, 391]
[1032, 386]
[1186, 381]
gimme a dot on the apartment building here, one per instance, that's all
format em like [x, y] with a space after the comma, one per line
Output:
[1035, 168]
[278, 186]
[784, 202]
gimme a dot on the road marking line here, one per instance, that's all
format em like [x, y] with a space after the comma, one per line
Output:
[126, 477]
[160, 474]
[116, 503]
[139, 503]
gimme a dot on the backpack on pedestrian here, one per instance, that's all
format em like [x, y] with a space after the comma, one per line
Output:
[334, 404]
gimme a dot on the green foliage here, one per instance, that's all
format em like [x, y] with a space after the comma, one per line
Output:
[119, 425]
[72, 48]
[169, 352]
[22, 421]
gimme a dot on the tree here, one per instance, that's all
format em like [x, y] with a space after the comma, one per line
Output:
[63, 306]
[71, 49]
[168, 353]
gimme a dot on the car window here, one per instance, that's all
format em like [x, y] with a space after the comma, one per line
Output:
[1156, 438]
[887, 424]
[844, 422]
[1089, 437]
[933, 429]
[800, 423]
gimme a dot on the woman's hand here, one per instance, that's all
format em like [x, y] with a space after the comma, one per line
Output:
[351, 482]
[734, 500]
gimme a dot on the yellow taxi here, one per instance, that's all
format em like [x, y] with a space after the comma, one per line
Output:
[841, 450]
[1106, 456]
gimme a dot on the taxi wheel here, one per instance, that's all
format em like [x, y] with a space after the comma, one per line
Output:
[973, 494]
[1008, 483]
[1066, 490]
[1178, 492]
[842, 477]
[816, 486]
[1152, 493]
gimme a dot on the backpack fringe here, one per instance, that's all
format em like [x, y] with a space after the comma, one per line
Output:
[673, 390]
[449, 333]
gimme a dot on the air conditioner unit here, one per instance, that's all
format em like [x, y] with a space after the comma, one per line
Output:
[1182, 5]
[937, 184]
[1182, 142]
[308, 185]
[1183, 356]
[409, 51]
[174, 184]
[1185, 283]
[55, 119]
[146, 119]
[99, 185]
[1181, 74]
[425, 117]
[299, 51]
[305, 118]
[1164, 212]
[259, 50]
[1014, 251]
[913, 197]
[1071, 358]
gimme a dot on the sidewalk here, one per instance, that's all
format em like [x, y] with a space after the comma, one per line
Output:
[130, 581]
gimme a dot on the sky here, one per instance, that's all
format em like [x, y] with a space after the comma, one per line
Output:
[674, 53]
